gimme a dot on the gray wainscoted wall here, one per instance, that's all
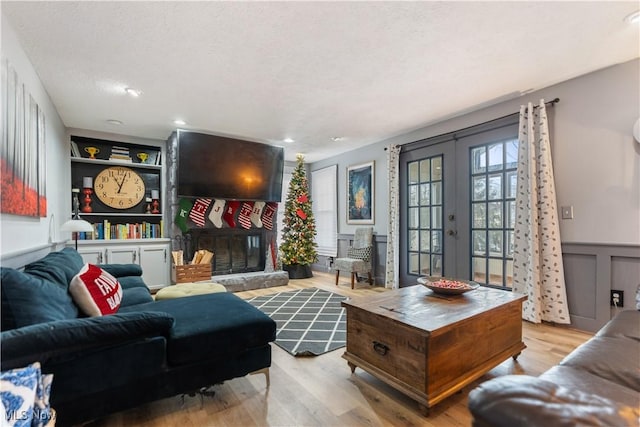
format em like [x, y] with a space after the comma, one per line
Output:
[591, 272]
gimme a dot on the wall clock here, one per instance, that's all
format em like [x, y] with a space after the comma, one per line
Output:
[119, 187]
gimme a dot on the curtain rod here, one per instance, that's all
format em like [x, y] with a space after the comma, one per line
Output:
[551, 103]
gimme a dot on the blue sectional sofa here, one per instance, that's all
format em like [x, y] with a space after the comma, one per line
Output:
[146, 351]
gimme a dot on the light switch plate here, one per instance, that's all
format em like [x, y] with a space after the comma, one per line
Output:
[567, 212]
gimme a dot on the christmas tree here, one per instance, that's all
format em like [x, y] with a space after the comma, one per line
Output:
[299, 228]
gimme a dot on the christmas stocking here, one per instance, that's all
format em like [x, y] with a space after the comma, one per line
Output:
[230, 213]
[184, 206]
[245, 215]
[256, 213]
[269, 213]
[215, 216]
[198, 211]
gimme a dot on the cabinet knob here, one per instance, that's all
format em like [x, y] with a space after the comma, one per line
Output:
[135, 253]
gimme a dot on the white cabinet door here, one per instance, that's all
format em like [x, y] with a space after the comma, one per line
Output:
[122, 255]
[154, 260]
[92, 255]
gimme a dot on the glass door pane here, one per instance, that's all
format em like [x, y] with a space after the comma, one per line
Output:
[424, 207]
[427, 240]
[492, 179]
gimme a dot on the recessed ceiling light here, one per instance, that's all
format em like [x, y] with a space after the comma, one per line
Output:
[132, 92]
[114, 122]
[179, 122]
[634, 18]
[337, 138]
[288, 140]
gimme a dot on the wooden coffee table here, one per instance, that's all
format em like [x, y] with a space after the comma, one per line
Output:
[429, 346]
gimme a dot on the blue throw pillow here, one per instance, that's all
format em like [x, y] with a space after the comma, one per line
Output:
[28, 300]
[24, 394]
[57, 267]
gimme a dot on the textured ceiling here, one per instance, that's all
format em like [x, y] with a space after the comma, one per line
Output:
[265, 71]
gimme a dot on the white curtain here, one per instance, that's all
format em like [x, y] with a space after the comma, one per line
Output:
[393, 230]
[537, 261]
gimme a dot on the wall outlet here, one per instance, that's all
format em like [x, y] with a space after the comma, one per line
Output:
[617, 298]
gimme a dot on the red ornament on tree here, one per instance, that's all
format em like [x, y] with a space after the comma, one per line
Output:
[301, 214]
[303, 199]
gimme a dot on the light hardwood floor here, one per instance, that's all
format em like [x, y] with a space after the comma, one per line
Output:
[321, 391]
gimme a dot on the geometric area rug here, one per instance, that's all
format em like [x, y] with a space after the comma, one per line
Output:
[309, 321]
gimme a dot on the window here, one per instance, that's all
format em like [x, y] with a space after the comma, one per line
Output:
[325, 201]
[493, 177]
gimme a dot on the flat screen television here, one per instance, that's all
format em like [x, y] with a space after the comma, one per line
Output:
[226, 168]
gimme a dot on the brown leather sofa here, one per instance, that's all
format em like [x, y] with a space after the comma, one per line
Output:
[598, 384]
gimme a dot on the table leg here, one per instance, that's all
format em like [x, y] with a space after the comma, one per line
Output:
[424, 409]
[352, 366]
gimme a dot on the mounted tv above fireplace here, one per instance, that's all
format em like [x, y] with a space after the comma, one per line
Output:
[227, 168]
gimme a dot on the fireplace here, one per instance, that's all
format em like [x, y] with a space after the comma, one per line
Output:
[235, 250]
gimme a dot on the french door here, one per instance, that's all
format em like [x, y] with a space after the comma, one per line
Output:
[457, 206]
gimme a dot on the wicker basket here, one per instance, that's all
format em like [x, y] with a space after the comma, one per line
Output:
[191, 273]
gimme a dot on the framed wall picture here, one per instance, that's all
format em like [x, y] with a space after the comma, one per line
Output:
[23, 173]
[361, 193]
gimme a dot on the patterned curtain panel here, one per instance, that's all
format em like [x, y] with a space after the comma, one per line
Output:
[538, 271]
[393, 230]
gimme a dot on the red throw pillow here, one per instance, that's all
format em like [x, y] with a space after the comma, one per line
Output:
[95, 291]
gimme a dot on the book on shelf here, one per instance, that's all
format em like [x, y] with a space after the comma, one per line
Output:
[124, 151]
[120, 158]
[108, 231]
[75, 151]
[158, 161]
[120, 154]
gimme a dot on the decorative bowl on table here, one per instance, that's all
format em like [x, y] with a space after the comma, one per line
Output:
[447, 286]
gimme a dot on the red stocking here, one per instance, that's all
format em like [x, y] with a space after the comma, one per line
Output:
[269, 214]
[245, 215]
[230, 213]
[198, 210]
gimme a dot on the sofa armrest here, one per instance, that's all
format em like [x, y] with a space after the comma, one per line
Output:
[122, 270]
[44, 341]
[129, 275]
[522, 400]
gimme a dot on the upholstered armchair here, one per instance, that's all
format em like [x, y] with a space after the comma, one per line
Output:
[359, 254]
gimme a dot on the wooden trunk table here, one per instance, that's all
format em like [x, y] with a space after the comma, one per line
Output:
[429, 346]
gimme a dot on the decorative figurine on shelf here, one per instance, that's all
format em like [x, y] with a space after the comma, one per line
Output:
[92, 152]
[155, 204]
[148, 205]
[87, 190]
[75, 201]
[143, 157]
